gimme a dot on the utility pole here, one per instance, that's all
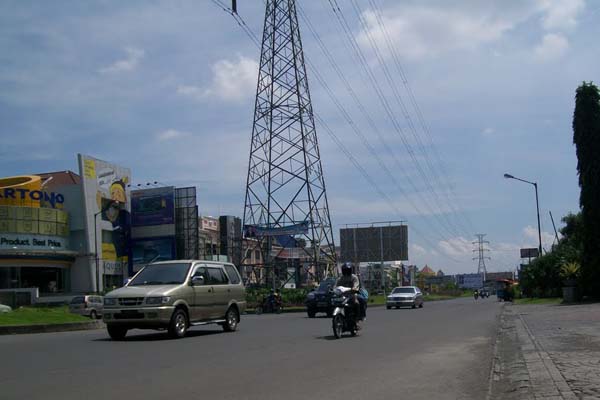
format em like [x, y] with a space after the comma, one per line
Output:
[480, 249]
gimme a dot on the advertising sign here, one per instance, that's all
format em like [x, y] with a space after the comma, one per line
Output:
[107, 207]
[146, 251]
[251, 231]
[33, 220]
[11, 241]
[532, 252]
[153, 206]
[370, 244]
[470, 281]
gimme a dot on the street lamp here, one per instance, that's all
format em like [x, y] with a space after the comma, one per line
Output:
[509, 176]
[96, 251]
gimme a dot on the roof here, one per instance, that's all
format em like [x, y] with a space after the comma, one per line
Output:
[60, 178]
[426, 270]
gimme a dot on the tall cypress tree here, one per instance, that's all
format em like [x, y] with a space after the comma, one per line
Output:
[586, 136]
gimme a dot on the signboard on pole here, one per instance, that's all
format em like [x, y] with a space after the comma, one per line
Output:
[532, 252]
[374, 243]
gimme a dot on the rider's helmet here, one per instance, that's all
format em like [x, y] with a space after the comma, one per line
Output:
[346, 269]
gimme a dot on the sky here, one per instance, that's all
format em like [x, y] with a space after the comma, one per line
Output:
[167, 89]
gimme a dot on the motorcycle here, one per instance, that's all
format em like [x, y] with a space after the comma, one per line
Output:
[345, 313]
[270, 305]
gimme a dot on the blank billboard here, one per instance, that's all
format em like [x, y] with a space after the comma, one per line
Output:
[373, 244]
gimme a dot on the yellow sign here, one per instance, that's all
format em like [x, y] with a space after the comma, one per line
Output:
[89, 168]
[31, 220]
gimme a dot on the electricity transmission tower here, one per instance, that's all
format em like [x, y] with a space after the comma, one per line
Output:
[481, 250]
[286, 215]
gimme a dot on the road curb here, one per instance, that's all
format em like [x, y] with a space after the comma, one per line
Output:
[47, 328]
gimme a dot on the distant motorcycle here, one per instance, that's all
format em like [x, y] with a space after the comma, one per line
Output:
[270, 305]
[345, 313]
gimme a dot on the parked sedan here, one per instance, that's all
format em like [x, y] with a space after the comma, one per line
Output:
[405, 296]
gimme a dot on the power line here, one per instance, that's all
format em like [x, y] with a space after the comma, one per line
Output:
[336, 140]
[347, 31]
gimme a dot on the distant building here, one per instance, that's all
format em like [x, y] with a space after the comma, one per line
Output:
[209, 237]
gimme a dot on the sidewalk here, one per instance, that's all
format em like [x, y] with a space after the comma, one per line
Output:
[548, 352]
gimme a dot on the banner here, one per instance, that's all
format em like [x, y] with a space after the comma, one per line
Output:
[108, 209]
[153, 206]
[258, 231]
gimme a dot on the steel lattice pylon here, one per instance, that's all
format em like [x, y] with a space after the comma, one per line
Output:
[285, 186]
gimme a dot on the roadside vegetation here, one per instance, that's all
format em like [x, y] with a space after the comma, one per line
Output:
[538, 300]
[40, 315]
[575, 260]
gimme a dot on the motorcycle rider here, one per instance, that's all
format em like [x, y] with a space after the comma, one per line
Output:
[349, 280]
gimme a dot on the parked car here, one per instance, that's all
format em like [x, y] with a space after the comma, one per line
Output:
[175, 295]
[404, 296]
[89, 306]
[319, 300]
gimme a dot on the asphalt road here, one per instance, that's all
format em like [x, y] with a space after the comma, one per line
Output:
[442, 351]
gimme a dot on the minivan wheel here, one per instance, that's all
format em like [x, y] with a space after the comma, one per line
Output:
[178, 325]
[311, 313]
[116, 332]
[231, 320]
[93, 314]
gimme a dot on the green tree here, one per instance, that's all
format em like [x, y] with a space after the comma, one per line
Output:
[586, 137]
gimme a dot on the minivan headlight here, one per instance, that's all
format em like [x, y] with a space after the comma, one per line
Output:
[310, 296]
[158, 300]
[110, 301]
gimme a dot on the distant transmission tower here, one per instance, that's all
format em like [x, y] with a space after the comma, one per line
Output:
[286, 214]
[480, 243]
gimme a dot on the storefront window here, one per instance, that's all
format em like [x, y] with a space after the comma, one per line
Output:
[46, 279]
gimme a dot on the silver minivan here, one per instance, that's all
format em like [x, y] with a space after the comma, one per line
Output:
[90, 306]
[175, 295]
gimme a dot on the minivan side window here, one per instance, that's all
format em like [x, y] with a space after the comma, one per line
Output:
[234, 278]
[217, 277]
[201, 271]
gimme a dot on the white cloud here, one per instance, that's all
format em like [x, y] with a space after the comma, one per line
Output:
[431, 29]
[420, 31]
[560, 14]
[456, 247]
[129, 63]
[417, 250]
[552, 47]
[231, 81]
[488, 131]
[170, 134]
[531, 237]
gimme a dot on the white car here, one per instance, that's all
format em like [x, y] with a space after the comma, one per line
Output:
[405, 296]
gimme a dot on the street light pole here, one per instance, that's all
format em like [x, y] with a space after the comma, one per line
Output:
[96, 251]
[537, 204]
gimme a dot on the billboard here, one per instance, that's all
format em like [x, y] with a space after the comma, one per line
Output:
[469, 281]
[108, 212]
[145, 251]
[532, 252]
[371, 244]
[153, 206]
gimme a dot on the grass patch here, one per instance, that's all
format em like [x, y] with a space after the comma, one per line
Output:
[437, 297]
[40, 315]
[539, 300]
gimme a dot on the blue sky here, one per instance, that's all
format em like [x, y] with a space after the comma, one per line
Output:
[167, 89]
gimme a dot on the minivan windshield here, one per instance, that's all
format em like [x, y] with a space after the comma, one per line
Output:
[404, 290]
[161, 274]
